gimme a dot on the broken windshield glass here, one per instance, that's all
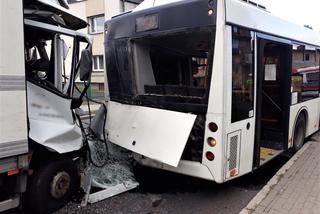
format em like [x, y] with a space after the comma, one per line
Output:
[174, 68]
[117, 170]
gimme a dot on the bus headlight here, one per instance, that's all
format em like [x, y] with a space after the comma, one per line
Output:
[210, 12]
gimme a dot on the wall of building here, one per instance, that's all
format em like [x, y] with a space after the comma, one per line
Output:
[95, 7]
[112, 8]
[87, 9]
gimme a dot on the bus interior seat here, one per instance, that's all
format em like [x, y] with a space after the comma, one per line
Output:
[175, 90]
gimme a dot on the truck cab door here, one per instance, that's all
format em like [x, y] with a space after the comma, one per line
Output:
[51, 62]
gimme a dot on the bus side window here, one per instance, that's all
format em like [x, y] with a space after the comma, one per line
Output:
[305, 73]
[242, 74]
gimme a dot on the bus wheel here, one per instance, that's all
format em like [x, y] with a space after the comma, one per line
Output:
[52, 186]
[299, 133]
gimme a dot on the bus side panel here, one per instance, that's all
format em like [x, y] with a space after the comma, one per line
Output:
[13, 116]
[217, 105]
[312, 107]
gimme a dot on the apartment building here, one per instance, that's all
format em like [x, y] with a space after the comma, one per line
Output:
[96, 12]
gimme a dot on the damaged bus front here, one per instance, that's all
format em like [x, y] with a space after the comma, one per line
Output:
[159, 60]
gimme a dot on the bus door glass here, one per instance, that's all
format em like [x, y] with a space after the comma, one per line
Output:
[240, 133]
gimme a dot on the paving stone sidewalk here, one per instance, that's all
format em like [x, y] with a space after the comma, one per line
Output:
[295, 188]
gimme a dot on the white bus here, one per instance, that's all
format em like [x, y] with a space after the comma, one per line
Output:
[205, 87]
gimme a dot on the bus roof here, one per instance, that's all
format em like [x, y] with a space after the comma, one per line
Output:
[248, 15]
[153, 3]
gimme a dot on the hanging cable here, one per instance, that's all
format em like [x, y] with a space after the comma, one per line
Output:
[90, 133]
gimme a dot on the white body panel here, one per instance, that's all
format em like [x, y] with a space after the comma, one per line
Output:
[51, 121]
[313, 110]
[162, 136]
[13, 116]
[11, 38]
[13, 123]
[217, 106]
[191, 168]
[247, 15]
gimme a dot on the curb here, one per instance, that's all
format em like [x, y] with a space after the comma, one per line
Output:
[252, 205]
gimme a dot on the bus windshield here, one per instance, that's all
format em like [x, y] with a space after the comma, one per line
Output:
[174, 69]
[159, 59]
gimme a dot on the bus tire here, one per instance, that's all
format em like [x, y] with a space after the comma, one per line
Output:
[52, 186]
[299, 133]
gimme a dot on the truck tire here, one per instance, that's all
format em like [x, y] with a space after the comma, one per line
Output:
[52, 186]
[299, 133]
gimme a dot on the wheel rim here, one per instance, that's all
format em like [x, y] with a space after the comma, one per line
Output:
[60, 185]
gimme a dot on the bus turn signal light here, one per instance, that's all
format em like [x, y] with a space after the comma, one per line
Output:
[210, 156]
[212, 142]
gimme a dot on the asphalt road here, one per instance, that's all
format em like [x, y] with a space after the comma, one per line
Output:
[164, 192]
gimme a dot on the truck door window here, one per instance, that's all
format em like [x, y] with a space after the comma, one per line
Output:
[38, 58]
[49, 59]
[66, 59]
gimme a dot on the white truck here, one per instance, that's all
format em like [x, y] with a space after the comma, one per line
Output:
[42, 138]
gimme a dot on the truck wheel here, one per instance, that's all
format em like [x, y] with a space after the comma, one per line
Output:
[299, 133]
[52, 186]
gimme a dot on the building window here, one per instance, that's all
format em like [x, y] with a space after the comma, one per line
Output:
[96, 24]
[98, 63]
[307, 57]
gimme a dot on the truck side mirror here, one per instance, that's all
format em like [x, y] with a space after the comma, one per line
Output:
[85, 64]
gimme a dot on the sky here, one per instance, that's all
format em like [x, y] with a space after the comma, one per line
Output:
[305, 12]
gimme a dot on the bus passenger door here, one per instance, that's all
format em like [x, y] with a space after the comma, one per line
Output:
[273, 97]
[241, 122]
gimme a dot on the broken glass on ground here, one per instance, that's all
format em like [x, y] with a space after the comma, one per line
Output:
[115, 177]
